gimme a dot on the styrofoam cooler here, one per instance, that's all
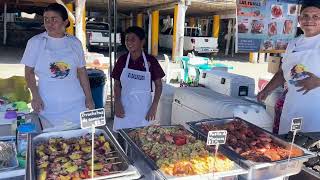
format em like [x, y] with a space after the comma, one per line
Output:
[229, 84]
[163, 116]
[194, 104]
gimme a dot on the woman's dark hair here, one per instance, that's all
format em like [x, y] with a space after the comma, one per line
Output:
[309, 3]
[58, 8]
[137, 31]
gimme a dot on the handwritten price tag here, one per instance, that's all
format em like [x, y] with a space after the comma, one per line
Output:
[217, 137]
[296, 124]
[93, 118]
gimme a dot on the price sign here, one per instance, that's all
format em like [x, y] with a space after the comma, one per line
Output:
[217, 137]
[93, 118]
[295, 127]
[296, 124]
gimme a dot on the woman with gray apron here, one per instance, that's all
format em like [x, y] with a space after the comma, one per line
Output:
[301, 70]
[133, 74]
[57, 59]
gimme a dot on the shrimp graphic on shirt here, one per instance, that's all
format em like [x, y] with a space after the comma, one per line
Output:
[298, 72]
[59, 70]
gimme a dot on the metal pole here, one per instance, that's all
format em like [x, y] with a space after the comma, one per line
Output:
[228, 36]
[182, 8]
[149, 32]
[5, 24]
[110, 56]
[115, 17]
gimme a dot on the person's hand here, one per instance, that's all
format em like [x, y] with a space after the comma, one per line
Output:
[89, 103]
[308, 83]
[37, 104]
[119, 110]
[151, 115]
[262, 95]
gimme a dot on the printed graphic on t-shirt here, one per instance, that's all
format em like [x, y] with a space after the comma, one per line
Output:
[59, 70]
[298, 72]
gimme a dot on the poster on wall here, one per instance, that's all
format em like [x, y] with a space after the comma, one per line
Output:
[266, 25]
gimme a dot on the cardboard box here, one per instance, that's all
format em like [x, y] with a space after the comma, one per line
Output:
[273, 64]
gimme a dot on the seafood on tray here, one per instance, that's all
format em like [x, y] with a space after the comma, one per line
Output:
[178, 153]
[64, 159]
[252, 143]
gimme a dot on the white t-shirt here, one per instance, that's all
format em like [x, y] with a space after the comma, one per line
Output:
[303, 43]
[55, 44]
[37, 44]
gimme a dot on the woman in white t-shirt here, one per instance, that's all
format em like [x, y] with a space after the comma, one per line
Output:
[57, 59]
[301, 70]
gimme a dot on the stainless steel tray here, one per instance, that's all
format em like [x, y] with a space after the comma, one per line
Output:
[258, 170]
[311, 172]
[237, 170]
[13, 163]
[130, 173]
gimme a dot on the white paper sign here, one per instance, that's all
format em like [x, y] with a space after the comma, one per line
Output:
[296, 124]
[92, 118]
[217, 137]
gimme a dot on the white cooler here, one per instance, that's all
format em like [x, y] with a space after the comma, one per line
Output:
[194, 104]
[229, 84]
[163, 116]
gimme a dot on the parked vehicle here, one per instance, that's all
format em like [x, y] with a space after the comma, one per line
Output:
[98, 35]
[193, 41]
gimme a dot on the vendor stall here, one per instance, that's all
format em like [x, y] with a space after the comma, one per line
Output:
[264, 155]
[154, 152]
[171, 152]
[59, 155]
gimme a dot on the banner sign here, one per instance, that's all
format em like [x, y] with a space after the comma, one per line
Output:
[266, 25]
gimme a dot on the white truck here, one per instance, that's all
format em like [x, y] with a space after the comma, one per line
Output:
[98, 35]
[193, 41]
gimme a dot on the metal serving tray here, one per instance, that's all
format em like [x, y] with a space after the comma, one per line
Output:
[13, 163]
[232, 174]
[130, 173]
[258, 170]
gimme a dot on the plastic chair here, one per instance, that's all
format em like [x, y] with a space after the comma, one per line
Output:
[169, 71]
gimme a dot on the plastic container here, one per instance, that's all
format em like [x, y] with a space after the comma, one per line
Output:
[97, 79]
[22, 137]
